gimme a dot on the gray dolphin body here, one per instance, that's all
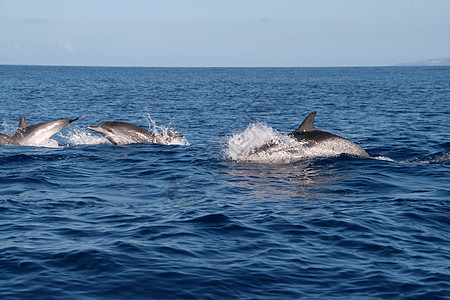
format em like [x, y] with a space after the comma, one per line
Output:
[6, 140]
[34, 134]
[121, 133]
[328, 142]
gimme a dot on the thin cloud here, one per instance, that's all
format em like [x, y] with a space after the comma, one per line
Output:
[18, 48]
[66, 46]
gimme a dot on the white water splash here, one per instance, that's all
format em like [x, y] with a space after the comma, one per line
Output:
[9, 129]
[75, 137]
[163, 133]
[383, 158]
[253, 145]
[49, 143]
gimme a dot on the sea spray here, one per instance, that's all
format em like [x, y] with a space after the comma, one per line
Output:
[9, 129]
[261, 143]
[77, 136]
[163, 132]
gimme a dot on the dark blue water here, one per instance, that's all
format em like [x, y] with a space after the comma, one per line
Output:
[85, 219]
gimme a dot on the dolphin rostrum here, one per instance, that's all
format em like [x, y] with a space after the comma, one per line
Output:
[121, 133]
[314, 138]
[27, 135]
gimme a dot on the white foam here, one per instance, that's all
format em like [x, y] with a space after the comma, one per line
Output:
[9, 129]
[437, 158]
[182, 141]
[162, 131]
[75, 137]
[247, 146]
[384, 158]
[49, 143]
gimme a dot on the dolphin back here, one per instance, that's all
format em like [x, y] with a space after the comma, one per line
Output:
[328, 142]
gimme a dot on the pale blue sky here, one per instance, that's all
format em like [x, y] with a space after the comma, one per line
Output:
[234, 33]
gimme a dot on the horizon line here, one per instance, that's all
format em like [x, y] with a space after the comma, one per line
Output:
[211, 67]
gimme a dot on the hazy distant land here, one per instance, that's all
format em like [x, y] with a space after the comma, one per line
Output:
[428, 62]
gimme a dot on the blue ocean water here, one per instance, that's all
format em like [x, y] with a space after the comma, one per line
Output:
[81, 218]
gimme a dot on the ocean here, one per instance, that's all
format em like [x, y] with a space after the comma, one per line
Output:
[204, 218]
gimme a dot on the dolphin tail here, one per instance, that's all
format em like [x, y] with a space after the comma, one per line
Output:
[307, 125]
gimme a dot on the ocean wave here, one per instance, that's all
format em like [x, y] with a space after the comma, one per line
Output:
[442, 158]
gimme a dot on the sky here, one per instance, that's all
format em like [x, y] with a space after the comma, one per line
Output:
[223, 33]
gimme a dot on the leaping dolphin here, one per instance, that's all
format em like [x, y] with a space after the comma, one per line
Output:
[314, 138]
[27, 135]
[121, 133]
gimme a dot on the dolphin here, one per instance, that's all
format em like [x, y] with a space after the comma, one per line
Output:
[121, 133]
[325, 141]
[34, 134]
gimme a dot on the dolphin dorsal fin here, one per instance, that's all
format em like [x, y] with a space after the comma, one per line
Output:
[308, 123]
[23, 123]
